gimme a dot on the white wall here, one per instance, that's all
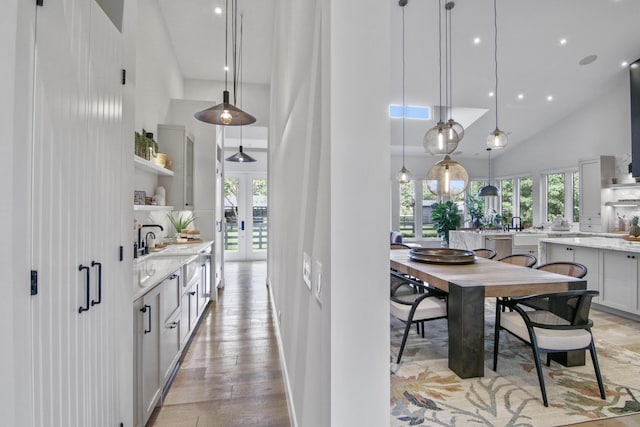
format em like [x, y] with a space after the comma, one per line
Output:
[336, 351]
[158, 78]
[602, 127]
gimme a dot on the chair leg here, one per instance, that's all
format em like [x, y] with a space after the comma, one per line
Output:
[536, 358]
[596, 367]
[496, 339]
[422, 327]
[548, 359]
[404, 340]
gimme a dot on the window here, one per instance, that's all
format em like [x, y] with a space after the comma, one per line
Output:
[407, 207]
[428, 199]
[555, 195]
[506, 207]
[525, 192]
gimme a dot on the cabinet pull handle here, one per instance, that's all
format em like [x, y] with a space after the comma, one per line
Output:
[173, 276]
[144, 309]
[88, 287]
[99, 264]
[192, 293]
[173, 325]
[242, 225]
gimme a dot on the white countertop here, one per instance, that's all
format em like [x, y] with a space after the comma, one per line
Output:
[618, 244]
[150, 270]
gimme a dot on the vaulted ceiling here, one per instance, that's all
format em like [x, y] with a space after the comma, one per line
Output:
[532, 61]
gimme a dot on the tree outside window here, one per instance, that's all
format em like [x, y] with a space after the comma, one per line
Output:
[428, 199]
[576, 197]
[555, 195]
[506, 191]
[407, 207]
[526, 201]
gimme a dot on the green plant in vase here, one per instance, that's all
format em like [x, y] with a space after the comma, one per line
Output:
[446, 217]
[475, 209]
[180, 223]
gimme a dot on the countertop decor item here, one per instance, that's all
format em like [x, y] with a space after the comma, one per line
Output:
[446, 217]
[180, 223]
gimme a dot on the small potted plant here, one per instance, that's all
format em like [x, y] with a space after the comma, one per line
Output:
[446, 217]
[180, 223]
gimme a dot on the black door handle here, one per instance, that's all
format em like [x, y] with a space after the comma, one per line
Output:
[87, 285]
[242, 225]
[99, 264]
[192, 293]
[144, 309]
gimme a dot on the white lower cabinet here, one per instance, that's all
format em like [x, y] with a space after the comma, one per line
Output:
[147, 316]
[169, 346]
[620, 280]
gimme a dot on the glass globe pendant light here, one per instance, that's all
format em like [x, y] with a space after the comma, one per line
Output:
[403, 176]
[440, 139]
[447, 178]
[452, 125]
[496, 139]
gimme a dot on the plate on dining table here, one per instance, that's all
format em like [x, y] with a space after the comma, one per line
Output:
[442, 255]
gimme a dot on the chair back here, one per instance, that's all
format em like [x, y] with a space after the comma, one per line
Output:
[573, 306]
[524, 260]
[566, 268]
[485, 253]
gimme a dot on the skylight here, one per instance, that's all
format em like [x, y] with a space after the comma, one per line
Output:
[410, 112]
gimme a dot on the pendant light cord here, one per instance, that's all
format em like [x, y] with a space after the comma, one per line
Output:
[495, 57]
[440, 52]
[240, 70]
[226, 43]
[403, 102]
[450, 67]
[234, 42]
[446, 61]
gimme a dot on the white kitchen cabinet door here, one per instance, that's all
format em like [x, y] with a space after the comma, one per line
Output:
[620, 280]
[594, 175]
[173, 140]
[76, 189]
[148, 333]
[590, 258]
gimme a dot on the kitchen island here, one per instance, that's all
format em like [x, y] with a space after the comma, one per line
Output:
[613, 269]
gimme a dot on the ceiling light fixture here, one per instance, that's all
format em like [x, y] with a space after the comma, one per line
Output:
[404, 175]
[240, 156]
[452, 125]
[489, 190]
[476, 40]
[447, 178]
[442, 138]
[563, 41]
[227, 114]
[217, 10]
[496, 139]
[549, 98]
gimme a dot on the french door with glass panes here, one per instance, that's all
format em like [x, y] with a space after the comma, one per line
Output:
[245, 217]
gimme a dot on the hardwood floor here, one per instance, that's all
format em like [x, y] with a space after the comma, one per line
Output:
[231, 373]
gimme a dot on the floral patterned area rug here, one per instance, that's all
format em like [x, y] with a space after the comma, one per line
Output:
[424, 392]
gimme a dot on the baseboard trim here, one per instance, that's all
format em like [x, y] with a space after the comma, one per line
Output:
[283, 364]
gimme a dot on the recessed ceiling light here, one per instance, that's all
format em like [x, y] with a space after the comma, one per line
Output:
[520, 96]
[549, 98]
[476, 40]
[634, 65]
[217, 10]
[563, 42]
[491, 94]
[624, 63]
[226, 68]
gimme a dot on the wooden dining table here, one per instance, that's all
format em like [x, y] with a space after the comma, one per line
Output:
[467, 286]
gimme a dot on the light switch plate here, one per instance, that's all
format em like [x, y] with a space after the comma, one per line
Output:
[306, 269]
[317, 274]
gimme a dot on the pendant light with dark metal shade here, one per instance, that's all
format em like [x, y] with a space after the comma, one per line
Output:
[403, 176]
[225, 113]
[496, 139]
[240, 156]
[489, 190]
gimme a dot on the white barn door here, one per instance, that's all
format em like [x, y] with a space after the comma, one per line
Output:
[77, 207]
